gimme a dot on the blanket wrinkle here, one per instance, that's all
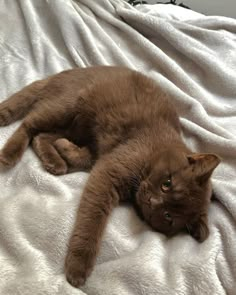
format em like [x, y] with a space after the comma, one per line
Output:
[193, 58]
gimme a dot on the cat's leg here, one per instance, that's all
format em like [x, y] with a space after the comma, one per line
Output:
[108, 183]
[77, 158]
[51, 160]
[97, 202]
[45, 117]
[15, 147]
[60, 156]
[19, 141]
[18, 105]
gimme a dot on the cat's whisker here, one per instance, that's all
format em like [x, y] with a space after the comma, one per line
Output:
[187, 228]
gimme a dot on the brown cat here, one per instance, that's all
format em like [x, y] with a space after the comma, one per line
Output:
[119, 123]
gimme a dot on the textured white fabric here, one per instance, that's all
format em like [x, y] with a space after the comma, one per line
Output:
[194, 58]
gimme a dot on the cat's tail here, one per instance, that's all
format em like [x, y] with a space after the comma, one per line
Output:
[19, 104]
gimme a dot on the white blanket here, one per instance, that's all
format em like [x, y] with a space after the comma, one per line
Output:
[194, 59]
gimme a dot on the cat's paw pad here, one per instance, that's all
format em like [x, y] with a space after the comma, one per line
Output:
[76, 269]
[62, 145]
[59, 168]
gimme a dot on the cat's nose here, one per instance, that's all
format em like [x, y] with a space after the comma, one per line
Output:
[146, 200]
[155, 202]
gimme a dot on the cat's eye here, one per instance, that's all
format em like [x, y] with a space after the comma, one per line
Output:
[167, 216]
[166, 185]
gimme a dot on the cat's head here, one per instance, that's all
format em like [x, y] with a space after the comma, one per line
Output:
[176, 192]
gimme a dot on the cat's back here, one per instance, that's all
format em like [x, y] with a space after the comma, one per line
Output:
[123, 90]
[125, 102]
[108, 86]
[126, 97]
[117, 102]
[116, 96]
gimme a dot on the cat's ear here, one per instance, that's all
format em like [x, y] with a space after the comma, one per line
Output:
[199, 229]
[203, 165]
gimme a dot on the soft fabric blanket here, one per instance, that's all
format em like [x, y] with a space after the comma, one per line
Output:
[193, 57]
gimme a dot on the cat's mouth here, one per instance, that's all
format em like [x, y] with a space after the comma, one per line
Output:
[144, 206]
[152, 217]
[143, 209]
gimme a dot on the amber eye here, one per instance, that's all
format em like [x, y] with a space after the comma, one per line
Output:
[166, 185]
[167, 216]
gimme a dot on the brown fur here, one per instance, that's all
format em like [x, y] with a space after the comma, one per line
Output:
[119, 123]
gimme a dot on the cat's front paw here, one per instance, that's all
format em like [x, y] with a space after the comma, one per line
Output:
[77, 268]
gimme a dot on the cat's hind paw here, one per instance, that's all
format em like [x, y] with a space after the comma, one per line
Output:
[56, 168]
[62, 145]
[5, 116]
[5, 162]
